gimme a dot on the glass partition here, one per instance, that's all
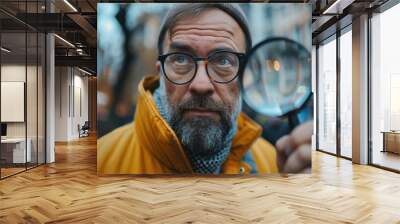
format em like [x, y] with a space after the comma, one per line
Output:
[346, 93]
[327, 96]
[22, 90]
[14, 153]
[385, 89]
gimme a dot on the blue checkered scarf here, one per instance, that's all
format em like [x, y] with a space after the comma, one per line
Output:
[200, 164]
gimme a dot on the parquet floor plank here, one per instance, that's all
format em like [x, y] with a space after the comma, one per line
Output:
[69, 191]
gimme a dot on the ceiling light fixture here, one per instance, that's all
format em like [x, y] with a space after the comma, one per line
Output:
[64, 40]
[84, 71]
[70, 5]
[337, 7]
[5, 50]
[329, 9]
[79, 51]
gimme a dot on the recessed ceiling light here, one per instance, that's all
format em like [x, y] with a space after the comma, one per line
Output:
[5, 50]
[64, 40]
[70, 5]
[338, 6]
[84, 71]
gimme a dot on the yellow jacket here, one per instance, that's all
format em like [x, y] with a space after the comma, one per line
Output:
[149, 146]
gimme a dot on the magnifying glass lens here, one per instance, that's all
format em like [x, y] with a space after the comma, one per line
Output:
[277, 77]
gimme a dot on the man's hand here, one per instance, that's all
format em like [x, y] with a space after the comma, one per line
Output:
[294, 150]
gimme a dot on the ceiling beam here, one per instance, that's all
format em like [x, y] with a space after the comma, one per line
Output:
[337, 6]
[82, 61]
[86, 27]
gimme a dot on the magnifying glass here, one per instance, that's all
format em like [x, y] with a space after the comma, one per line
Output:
[276, 80]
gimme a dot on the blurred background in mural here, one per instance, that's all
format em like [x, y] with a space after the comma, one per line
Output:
[127, 38]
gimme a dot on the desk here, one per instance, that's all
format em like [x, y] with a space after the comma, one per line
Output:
[13, 150]
[391, 141]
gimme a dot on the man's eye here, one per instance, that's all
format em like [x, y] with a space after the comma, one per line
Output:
[223, 62]
[181, 60]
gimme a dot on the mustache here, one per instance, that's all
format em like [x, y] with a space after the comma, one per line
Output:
[201, 102]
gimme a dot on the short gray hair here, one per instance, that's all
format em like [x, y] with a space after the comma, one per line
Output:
[187, 9]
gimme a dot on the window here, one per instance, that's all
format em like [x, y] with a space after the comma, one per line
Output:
[327, 96]
[346, 94]
[385, 89]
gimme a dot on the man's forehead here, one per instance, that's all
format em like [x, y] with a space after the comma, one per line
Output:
[205, 28]
[208, 19]
[212, 24]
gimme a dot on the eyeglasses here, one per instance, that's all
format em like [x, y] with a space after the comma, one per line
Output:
[221, 66]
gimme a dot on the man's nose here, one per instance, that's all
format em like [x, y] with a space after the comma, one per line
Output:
[201, 84]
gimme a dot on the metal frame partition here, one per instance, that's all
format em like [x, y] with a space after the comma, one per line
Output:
[338, 32]
[382, 8]
[40, 41]
[318, 90]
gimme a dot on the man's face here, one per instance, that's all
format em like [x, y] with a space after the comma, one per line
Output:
[203, 103]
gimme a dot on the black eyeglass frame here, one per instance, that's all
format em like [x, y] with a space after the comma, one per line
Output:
[240, 56]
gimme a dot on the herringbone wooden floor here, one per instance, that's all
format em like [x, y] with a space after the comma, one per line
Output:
[70, 191]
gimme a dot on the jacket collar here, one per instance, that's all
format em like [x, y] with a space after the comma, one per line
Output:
[156, 136]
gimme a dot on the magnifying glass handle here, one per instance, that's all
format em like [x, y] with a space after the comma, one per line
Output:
[293, 120]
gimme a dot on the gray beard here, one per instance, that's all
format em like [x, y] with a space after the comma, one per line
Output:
[201, 136]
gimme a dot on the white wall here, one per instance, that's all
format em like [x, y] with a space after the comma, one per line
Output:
[61, 103]
[71, 93]
[80, 100]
